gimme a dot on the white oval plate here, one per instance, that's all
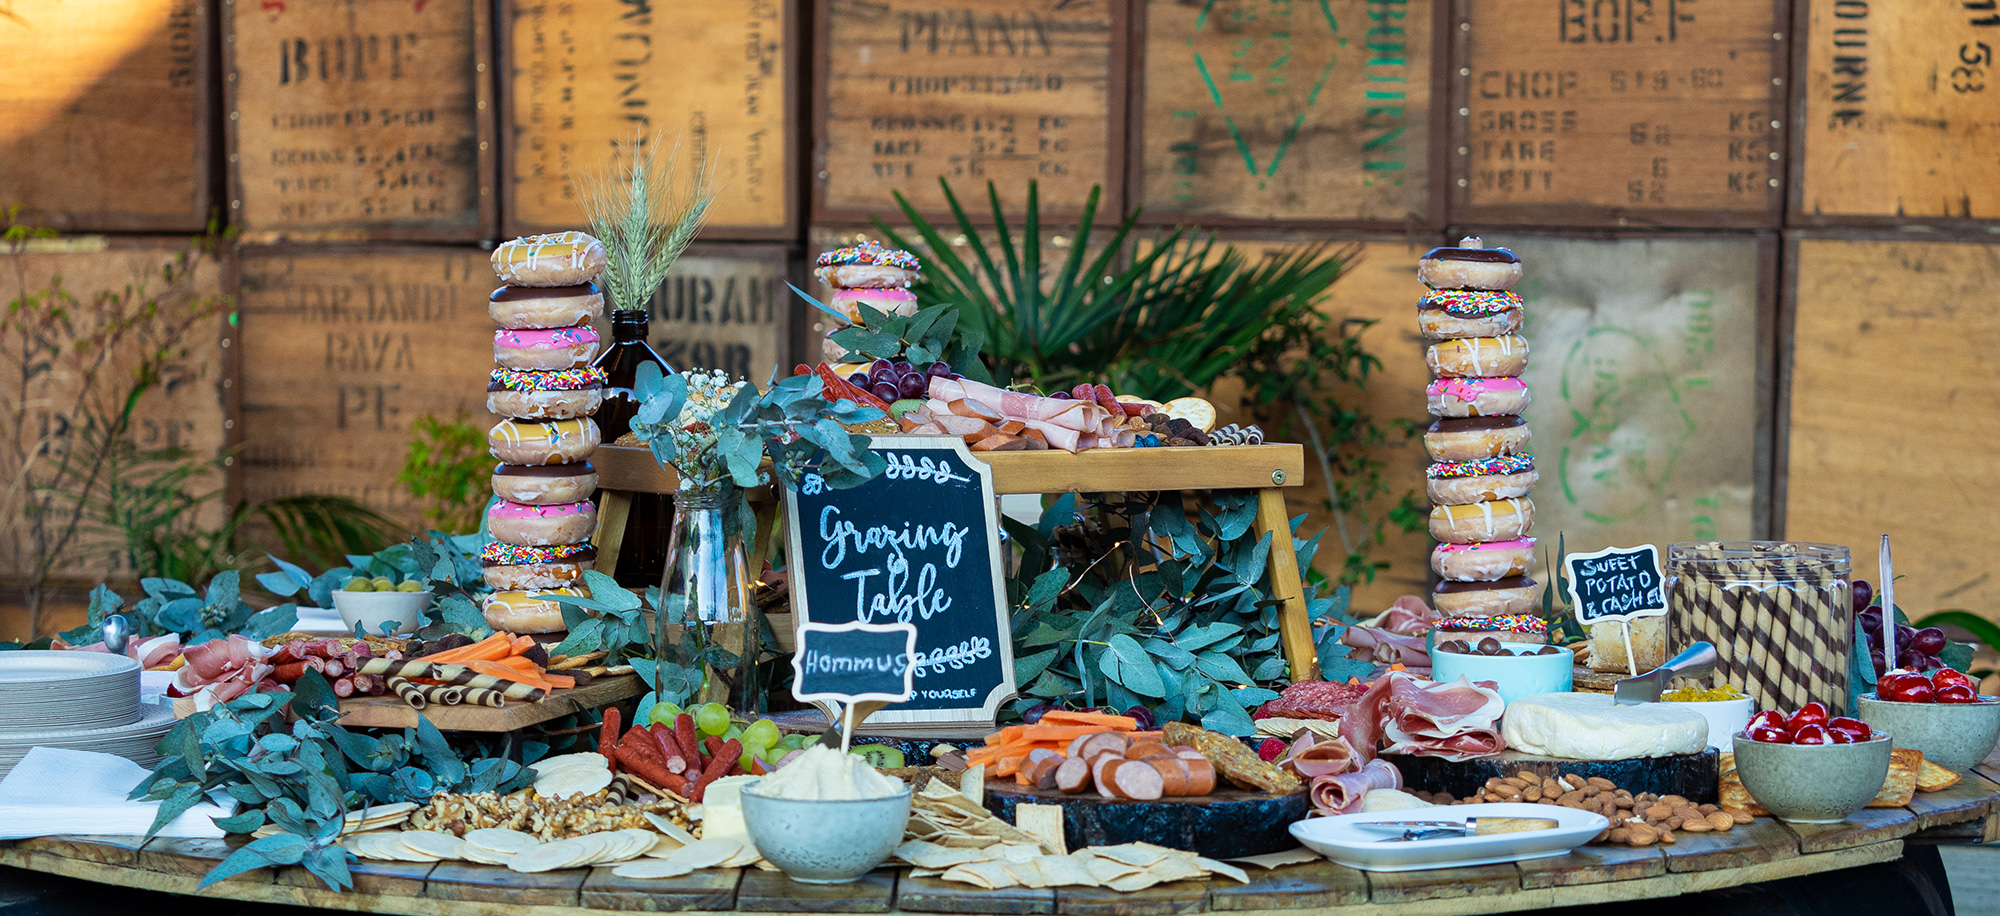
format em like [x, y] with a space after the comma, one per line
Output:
[1339, 839]
[45, 665]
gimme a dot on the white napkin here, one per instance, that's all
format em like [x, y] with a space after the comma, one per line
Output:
[55, 791]
[321, 620]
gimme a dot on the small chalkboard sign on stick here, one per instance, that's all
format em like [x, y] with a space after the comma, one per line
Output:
[859, 666]
[1617, 584]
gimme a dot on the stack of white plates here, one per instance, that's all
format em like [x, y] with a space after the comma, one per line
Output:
[82, 700]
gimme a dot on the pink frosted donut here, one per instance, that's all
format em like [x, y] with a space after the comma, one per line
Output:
[545, 348]
[1477, 397]
[1484, 562]
[541, 526]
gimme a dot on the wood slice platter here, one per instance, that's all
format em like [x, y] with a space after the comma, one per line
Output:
[1222, 825]
[1691, 776]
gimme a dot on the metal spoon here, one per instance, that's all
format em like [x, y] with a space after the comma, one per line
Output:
[1698, 661]
[117, 632]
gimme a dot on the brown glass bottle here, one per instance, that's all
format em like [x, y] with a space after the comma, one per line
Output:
[642, 558]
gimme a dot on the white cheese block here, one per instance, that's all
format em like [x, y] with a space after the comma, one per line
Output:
[1587, 726]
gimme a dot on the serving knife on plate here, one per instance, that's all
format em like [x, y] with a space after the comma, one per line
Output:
[1471, 826]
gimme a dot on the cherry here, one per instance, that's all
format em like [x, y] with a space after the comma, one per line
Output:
[1957, 693]
[1854, 729]
[1906, 688]
[1770, 718]
[1839, 737]
[1812, 734]
[1929, 641]
[1813, 713]
[1946, 677]
[1768, 735]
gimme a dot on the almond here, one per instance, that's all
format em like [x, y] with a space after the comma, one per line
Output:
[1688, 813]
[1516, 783]
[1618, 834]
[1721, 820]
[1572, 799]
[1675, 822]
[1740, 816]
[1697, 827]
[1532, 793]
[1708, 809]
[1666, 838]
[1659, 812]
[1527, 776]
[1641, 835]
[1674, 800]
[1602, 783]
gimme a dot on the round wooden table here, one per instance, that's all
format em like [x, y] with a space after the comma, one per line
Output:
[1762, 851]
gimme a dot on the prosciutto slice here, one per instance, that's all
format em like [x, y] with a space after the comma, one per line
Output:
[220, 670]
[1330, 757]
[149, 653]
[1342, 794]
[1408, 616]
[1387, 646]
[1455, 721]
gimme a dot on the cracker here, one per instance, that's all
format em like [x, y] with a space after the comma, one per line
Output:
[1901, 784]
[1269, 860]
[1136, 881]
[653, 868]
[1026, 873]
[662, 847]
[487, 857]
[672, 830]
[555, 856]
[1224, 868]
[572, 782]
[706, 853]
[1045, 823]
[1931, 777]
[439, 846]
[1064, 870]
[500, 840]
[1143, 855]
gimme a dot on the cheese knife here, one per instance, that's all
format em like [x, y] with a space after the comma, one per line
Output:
[1471, 826]
[1697, 661]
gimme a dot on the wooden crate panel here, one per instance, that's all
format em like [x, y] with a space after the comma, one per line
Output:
[1901, 112]
[726, 308]
[187, 410]
[1644, 374]
[360, 119]
[107, 129]
[586, 78]
[1006, 91]
[1892, 375]
[1259, 110]
[1620, 113]
[342, 350]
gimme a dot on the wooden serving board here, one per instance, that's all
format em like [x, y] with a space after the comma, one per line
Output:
[1222, 825]
[1691, 776]
[392, 712]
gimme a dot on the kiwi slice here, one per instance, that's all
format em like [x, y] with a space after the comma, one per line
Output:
[880, 756]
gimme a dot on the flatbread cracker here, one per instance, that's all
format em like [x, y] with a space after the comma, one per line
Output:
[1026, 873]
[706, 853]
[1143, 855]
[1931, 777]
[1223, 868]
[442, 846]
[501, 840]
[1136, 881]
[555, 856]
[653, 868]
[1061, 871]
[1293, 856]
[672, 830]
[487, 857]
[1045, 823]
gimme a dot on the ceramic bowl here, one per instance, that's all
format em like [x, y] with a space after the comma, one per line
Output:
[372, 609]
[1517, 676]
[825, 842]
[1813, 783]
[1952, 735]
[1725, 718]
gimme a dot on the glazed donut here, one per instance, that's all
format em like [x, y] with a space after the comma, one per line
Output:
[1477, 397]
[528, 611]
[510, 568]
[545, 348]
[556, 259]
[1519, 627]
[545, 484]
[1495, 598]
[537, 442]
[1454, 483]
[561, 394]
[887, 301]
[1448, 313]
[867, 266]
[1483, 562]
[533, 308]
[540, 526]
[1473, 438]
[1469, 266]
[1481, 523]
[1478, 357]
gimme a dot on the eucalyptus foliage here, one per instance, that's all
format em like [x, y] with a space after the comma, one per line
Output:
[931, 333]
[172, 606]
[447, 564]
[1168, 605]
[303, 777]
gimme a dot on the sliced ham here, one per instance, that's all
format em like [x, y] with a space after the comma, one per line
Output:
[1331, 757]
[1455, 721]
[1342, 794]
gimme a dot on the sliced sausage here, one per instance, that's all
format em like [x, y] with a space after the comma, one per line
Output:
[1076, 745]
[1101, 769]
[1045, 778]
[1143, 750]
[1102, 741]
[1173, 775]
[1188, 753]
[1136, 779]
[1073, 775]
[1033, 771]
[1041, 753]
[1201, 777]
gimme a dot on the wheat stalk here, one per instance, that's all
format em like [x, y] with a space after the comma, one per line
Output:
[646, 212]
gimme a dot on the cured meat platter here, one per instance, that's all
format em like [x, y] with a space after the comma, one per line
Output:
[1227, 823]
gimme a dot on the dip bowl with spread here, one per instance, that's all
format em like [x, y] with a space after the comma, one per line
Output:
[823, 819]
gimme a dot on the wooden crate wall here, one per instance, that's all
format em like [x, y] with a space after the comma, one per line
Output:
[1539, 121]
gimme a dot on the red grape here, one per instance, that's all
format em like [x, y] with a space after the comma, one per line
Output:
[1929, 641]
[1864, 594]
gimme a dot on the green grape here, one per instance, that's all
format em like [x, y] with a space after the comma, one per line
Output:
[410, 585]
[763, 733]
[746, 759]
[735, 733]
[663, 713]
[711, 719]
[358, 584]
[384, 584]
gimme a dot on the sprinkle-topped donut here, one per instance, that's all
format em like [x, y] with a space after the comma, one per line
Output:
[1507, 623]
[1471, 303]
[1484, 467]
[871, 253]
[557, 380]
[498, 554]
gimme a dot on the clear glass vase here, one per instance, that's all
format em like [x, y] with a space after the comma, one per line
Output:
[709, 622]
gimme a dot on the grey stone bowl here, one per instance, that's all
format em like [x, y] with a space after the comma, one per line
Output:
[825, 842]
[1813, 783]
[1952, 735]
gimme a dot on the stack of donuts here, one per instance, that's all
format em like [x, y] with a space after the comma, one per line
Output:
[1480, 471]
[871, 274]
[545, 386]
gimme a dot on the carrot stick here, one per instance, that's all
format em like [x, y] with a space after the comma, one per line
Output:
[464, 652]
[1102, 720]
[507, 674]
[521, 644]
[561, 681]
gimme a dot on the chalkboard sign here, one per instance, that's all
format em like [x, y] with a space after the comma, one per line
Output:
[918, 544]
[854, 661]
[1616, 583]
